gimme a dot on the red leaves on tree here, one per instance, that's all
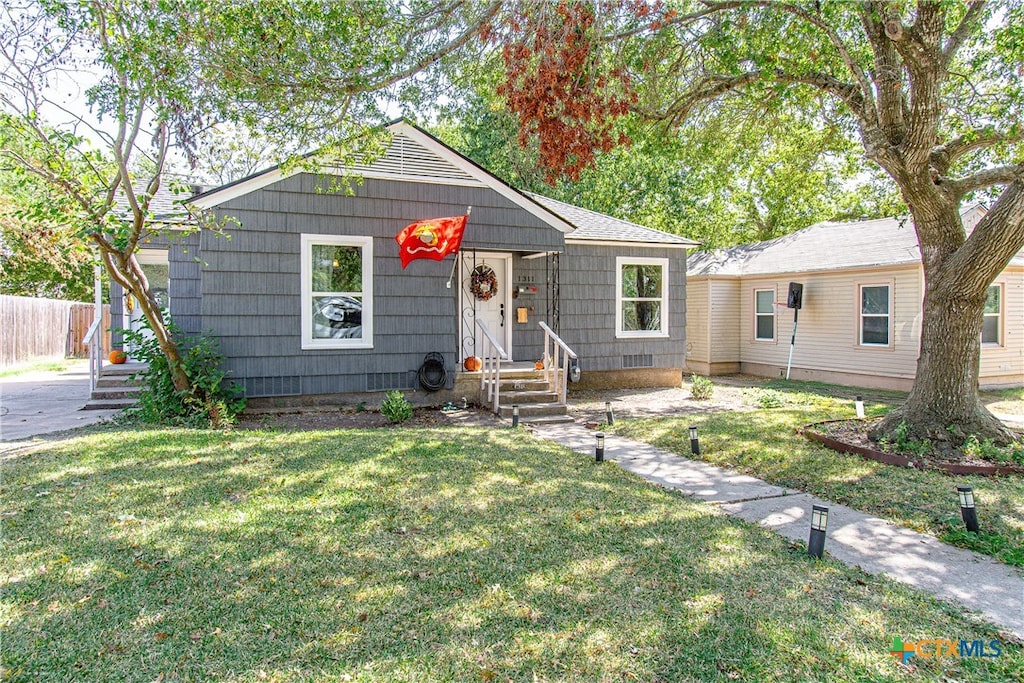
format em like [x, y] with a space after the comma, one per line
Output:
[558, 87]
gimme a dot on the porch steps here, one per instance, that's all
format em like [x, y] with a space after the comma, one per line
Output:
[538, 402]
[114, 387]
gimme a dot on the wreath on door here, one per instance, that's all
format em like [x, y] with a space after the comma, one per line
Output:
[483, 283]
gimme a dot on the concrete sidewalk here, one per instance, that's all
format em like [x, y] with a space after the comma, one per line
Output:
[963, 577]
[37, 403]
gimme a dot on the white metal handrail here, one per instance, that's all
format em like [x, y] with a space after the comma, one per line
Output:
[490, 369]
[95, 352]
[557, 355]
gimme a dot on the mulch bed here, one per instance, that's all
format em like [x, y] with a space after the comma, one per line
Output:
[348, 417]
[851, 436]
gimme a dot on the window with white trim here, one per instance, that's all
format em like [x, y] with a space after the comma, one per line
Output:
[874, 315]
[337, 292]
[991, 326]
[764, 314]
[641, 286]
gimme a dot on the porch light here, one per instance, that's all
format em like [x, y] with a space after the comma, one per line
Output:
[694, 442]
[859, 404]
[608, 416]
[819, 520]
[599, 448]
[515, 416]
[967, 510]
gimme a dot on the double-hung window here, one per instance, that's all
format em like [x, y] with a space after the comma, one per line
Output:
[641, 285]
[875, 327]
[764, 314]
[991, 327]
[337, 292]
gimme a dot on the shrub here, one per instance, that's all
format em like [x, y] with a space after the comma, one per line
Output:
[396, 407]
[209, 402]
[701, 388]
[768, 398]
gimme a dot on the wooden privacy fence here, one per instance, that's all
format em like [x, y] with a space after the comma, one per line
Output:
[81, 319]
[44, 328]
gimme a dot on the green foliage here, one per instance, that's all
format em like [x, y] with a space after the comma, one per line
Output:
[211, 401]
[988, 449]
[701, 388]
[396, 407]
[902, 442]
[767, 398]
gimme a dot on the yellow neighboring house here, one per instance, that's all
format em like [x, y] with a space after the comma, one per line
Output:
[860, 323]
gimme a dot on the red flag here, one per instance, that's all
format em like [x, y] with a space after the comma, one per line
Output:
[433, 239]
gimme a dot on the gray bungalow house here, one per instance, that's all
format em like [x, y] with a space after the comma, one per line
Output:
[308, 296]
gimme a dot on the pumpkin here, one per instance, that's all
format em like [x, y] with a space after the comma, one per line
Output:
[539, 365]
[472, 364]
[117, 356]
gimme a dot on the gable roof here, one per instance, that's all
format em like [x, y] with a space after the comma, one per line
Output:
[592, 226]
[826, 246]
[167, 206]
[413, 156]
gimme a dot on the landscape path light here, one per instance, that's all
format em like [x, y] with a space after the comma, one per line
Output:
[599, 447]
[694, 442]
[819, 522]
[967, 510]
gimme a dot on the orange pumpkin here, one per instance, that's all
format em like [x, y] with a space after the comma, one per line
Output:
[539, 365]
[472, 364]
[117, 356]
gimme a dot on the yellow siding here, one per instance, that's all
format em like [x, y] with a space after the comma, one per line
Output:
[697, 320]
[725, 321]
[827, 336]
[1005, 364]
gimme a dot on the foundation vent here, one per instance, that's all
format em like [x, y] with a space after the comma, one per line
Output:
[638, 360]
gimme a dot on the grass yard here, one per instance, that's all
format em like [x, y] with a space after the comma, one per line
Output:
[763, 444]
[427, 555]
[59, 365]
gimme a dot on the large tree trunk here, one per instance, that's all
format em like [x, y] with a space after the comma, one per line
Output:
[943, 406]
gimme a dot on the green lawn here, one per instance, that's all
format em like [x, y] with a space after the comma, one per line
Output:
[427, 555]
[763, 443]
[59, 365]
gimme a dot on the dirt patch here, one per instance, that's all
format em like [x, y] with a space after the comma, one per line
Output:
[588, 406]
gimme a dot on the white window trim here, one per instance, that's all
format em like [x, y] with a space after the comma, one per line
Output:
[621, 261]
[774, 317]
[306, 272]
[861, 315]
[999, 317]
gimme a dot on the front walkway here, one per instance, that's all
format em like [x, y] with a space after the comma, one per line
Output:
[963, 577]
[37, 403]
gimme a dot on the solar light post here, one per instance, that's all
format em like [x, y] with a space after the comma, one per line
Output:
[859, 404]
[608, 416]
[515, 416]
[967, 510]
[599, 447]
[819, 521]
[694, 441]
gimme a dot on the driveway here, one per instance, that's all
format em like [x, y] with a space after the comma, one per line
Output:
[41, 402]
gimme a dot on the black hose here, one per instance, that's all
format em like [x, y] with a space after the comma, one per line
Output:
[432, 375]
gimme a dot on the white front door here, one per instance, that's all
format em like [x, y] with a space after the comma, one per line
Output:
[485, 295]
[154, 264]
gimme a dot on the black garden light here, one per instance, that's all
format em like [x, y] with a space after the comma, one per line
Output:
[599, 447]
[819, 521]
[515, 416]
[694, 442]
[967, 510]
[859, 405]
[608, 416]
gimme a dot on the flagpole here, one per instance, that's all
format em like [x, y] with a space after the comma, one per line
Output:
[455, 263]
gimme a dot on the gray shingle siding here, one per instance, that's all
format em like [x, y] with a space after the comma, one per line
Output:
[251, 288]
[588, 308]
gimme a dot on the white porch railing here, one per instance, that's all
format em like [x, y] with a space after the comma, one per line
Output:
[491, 355]
[92, 339]
[557, 355]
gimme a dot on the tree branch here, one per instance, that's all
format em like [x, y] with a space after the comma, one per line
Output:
[998, 175]
[943, 156]
[967, 24]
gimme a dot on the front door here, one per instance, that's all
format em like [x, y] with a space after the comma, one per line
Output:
[485, 295]
[154, 264]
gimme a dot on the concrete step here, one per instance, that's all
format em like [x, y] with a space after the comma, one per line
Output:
[114, 381]
[111, 404]
[546, 420]
[126, 392]
[530, 411]
[124, 369]
[523, 384]
[527, 397]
